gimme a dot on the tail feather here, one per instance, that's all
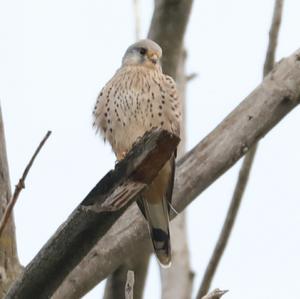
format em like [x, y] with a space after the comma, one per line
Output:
[154, 204]
[158, 223]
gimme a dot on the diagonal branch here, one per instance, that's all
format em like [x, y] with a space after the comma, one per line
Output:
[245, 169]
[92, 219]
[21, 185]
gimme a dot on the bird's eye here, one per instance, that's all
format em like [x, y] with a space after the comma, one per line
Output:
[143, 51]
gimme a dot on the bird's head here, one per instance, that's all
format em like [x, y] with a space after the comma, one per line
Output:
[145, 52]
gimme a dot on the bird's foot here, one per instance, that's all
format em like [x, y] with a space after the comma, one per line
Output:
[121, 156]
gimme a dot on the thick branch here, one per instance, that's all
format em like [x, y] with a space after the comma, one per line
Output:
[92, 219]
[129, 285]
[271, 101]
[116, 282]
[169, 33]
[168, 26]
[9, 262]
[245, 169]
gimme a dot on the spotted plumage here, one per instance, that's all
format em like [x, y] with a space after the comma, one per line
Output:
[138, 98]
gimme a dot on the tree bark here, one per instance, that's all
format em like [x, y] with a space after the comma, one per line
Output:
[91, 220]
[10, 266]
[273, 99]
[115, 283]
[168, 26]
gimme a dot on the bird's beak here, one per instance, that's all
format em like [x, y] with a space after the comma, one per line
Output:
[153, 57]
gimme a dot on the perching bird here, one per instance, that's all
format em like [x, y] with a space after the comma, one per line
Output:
[138, 98]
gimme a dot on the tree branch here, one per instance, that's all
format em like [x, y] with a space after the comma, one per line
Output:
[167, 28]
[92, 219]
[129, 285]
[116, 282]
[244, 172]
[273, 99]
[215, 294]
[10, 266]
[228, 224]
[21, 185]
[273, 37]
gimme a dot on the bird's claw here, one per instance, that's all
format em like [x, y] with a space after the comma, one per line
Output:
[121, 156]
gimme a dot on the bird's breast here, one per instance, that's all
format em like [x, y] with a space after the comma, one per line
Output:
[136, 102]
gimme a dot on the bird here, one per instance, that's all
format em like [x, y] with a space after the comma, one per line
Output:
[140, 97]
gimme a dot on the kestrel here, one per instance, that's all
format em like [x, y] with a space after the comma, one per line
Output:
[138, 98]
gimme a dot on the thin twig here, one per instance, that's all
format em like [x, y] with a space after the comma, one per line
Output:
[245, 169]
[273, 37]
[137, 19]
[191, 77]
[20, 185]
[228, 224]
[215, 294]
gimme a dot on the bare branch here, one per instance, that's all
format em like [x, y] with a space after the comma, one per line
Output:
[92, 219]
[21, 185]
[191, 76]
[273, 99]
[10, 266]
[129, 285]
[215, 294]
[116, 282]
[244, 172]
[167, 28]
[273, 37]
[228, 224]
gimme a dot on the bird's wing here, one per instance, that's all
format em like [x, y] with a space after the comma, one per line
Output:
[155, 207]
[100, 116]
[173, 104]
[169, 189]
[170, 186]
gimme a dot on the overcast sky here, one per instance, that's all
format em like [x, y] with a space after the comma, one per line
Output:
[55, 56]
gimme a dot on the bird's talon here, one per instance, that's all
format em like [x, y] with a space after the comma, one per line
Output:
[121, 156]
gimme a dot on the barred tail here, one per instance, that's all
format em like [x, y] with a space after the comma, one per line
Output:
[158, 223]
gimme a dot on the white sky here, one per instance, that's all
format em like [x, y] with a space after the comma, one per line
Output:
[56, 55]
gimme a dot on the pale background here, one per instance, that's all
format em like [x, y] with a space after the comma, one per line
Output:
[56, 55]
